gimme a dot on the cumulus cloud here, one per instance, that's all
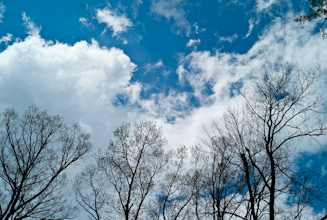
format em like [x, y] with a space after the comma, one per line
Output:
[117, 23]
[84, 82]
[80, 82]
[229, 39]
[31, 28]
[7, 38]
[193, 42]
[172, 9]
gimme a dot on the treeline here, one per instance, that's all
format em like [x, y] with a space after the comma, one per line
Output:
[244, 169]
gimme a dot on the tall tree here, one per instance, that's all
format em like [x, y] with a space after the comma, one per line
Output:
[91, 192]
[130, 167]
[35, 151]
[223, 186]
[280, 108]
[177, 189]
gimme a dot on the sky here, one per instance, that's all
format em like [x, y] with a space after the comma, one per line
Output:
[179, 63]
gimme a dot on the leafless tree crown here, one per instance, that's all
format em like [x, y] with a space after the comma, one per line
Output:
[35, 150]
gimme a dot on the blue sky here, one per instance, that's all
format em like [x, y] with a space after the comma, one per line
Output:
[176, 62]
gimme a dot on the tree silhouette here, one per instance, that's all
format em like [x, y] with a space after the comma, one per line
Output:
[280, 108]
[35, 150]
[130, 166]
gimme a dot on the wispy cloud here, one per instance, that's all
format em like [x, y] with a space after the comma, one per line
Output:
[135, 7]
[251, 26]
[197, 29]
[154, 66]
[7, 38]
[193, 42]
[117, 23]
[229, 39]
[85, 22]
[157, 66]
[263, 5]
[172, 9]
[281, 42]
[2, 11]
[31, 28]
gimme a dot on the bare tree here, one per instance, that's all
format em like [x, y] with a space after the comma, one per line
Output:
[248, 162]
[131, 165]
[245, 145]
[287, 108]
[176, 189]
[35, 150]
[280, 107]
[91, 194]
[223, 180]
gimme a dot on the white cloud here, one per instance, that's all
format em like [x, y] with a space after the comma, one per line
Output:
[229, 39]
[31, 28]
[154, 66]
[172, 9]
[202, 69]
[193, 42]
[86, 23]
[135, 7]
[2, 11]
[164, 107]
[82, 20]
[79, 82]
[117, 23]
[159, 63]
[157, 67]
[263, 5]
[7, 38]
[196, 26]
[281, 42]
[251, 26]
[197, 29]
[288, 210]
